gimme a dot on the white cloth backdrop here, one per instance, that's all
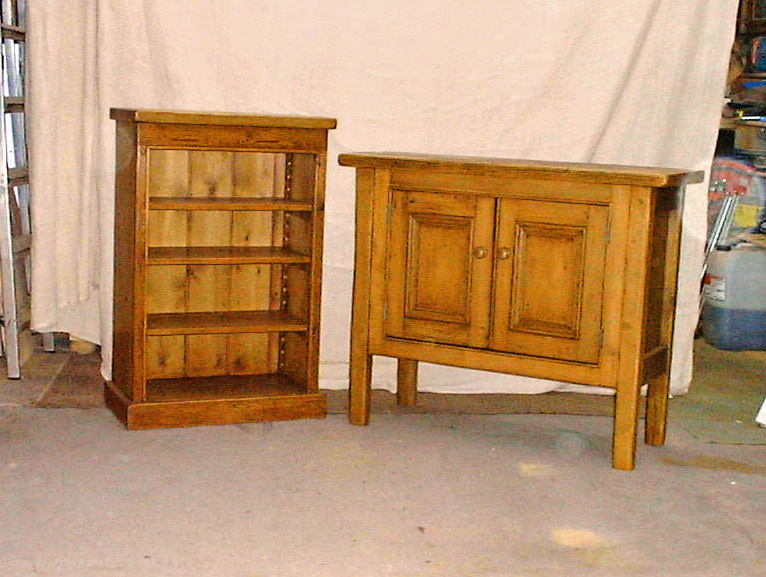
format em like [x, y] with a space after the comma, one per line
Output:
[614, 81]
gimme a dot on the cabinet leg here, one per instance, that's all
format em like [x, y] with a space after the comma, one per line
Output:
[360, 389]
[407, 383]
[625, 428]
[657, 410]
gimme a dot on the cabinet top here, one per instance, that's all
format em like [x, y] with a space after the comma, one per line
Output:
[582, 172]
[219, 118]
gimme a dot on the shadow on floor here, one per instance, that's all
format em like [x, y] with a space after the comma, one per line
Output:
[727, 390]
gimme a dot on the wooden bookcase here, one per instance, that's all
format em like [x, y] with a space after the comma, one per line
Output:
[217, 260]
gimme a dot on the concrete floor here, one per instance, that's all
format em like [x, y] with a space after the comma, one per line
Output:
[410, 495]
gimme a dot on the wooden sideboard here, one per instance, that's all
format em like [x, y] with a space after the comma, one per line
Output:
[551, 270]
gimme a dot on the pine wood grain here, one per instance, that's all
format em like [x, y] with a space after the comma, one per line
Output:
[220, 118]
[528, 169]
[571, 269]
[217, 293]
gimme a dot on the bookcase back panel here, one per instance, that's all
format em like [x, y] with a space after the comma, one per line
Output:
[250, 228]
[168, 228]
[166, 289]
[251, 287]
[215, 228]
[210, 288]
[177, 356]
[205, 355]
[168, 172]
[165, 357]
[209, 228]
[259, 174]
[211, 173]
[250, 354]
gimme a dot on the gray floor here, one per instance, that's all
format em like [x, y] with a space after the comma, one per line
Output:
[410, 495]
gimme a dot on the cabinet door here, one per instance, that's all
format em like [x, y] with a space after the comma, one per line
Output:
[439, 267]
[549, 279]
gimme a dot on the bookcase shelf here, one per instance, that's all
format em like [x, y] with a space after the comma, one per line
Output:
[218, 254]
[218, 203]
[223, 323]
[225, 255]
[229, 387]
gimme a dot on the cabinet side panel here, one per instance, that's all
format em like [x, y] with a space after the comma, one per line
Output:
[662, 276]
[298, 281]
[124, 257]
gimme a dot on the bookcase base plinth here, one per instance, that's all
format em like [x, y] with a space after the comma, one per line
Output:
[250, 408]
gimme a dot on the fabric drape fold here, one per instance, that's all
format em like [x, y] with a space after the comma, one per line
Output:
[637, 82]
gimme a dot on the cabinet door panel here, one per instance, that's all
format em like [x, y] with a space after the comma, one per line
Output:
[439, 268]
[549, 279]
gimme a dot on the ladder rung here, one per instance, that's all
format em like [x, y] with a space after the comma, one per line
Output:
[18, 176]
[22, 243]
[14, 104]
[14, 32]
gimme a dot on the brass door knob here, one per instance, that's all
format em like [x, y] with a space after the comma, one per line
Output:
[480, 252]
[503, 253]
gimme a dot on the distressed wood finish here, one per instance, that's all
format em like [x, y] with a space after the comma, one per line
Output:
[221, 119]
[551, 270]
[549, 279]
[218, 252]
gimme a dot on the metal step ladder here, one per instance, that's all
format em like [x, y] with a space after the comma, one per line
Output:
[15, 222]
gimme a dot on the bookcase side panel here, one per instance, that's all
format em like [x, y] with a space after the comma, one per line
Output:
[124, 257]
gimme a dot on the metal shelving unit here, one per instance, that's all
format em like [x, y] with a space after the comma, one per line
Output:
[15, 221]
